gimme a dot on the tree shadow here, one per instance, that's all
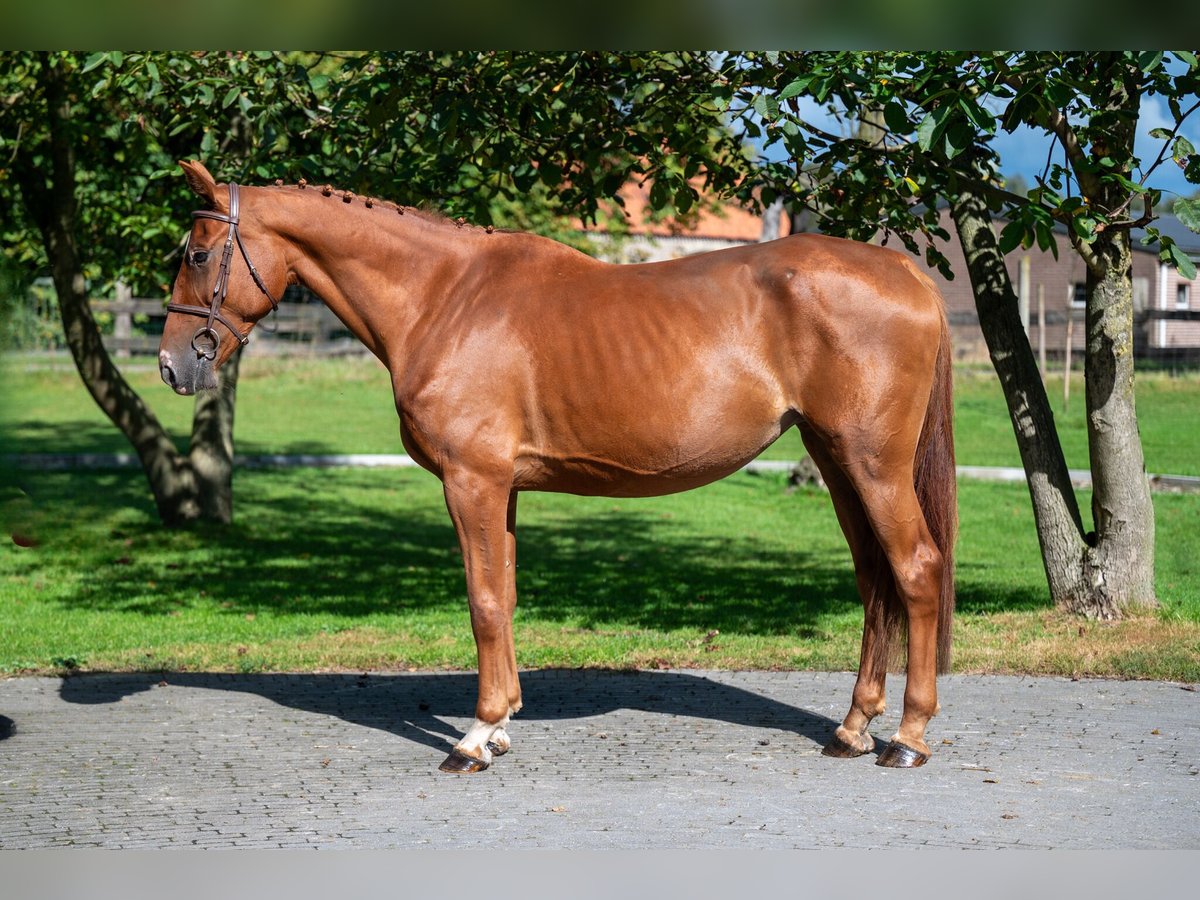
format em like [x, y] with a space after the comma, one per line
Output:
[410, 705]
[294, 551]
[89, 436]
[382, 547]
[74, 436]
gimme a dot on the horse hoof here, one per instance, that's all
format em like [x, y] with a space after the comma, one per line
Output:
[845, 750]
[461, 764]
[495, 749]
[901, 756]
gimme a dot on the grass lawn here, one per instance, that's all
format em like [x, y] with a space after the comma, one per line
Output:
[345, 406]
[359, 569]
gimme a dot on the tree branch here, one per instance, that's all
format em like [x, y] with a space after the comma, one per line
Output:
[1167, 142]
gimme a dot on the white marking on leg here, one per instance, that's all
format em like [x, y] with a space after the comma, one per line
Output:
[501, 740]
[475, 741]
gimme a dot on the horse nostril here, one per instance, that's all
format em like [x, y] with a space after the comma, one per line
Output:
[168, 374]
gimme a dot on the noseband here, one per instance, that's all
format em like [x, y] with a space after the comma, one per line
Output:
[208, 339]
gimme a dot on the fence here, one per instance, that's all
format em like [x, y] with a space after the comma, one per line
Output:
[303, 325]
[1050, 331]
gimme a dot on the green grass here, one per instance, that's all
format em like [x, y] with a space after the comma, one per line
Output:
[1168, 419]
[283, 406]
[345, 406]
[358, 569]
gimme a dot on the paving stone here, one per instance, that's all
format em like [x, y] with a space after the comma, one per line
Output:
[600, 760]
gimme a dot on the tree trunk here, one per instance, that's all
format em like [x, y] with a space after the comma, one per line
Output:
[188, 487]
[1122, 561]
[1104, 573]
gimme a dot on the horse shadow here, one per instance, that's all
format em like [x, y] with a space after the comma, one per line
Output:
[410, 705]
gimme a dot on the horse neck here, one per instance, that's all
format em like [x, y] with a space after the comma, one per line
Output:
[378, 271]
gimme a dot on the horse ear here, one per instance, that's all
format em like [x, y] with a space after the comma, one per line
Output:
[200, 181]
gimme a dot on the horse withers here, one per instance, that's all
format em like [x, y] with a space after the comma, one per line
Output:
[519, 364]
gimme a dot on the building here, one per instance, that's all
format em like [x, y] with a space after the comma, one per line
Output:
[716, 227]
[1052, 294]
[1051, 291]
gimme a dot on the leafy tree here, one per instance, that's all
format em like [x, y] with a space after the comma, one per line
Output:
[477, 133]
[589, 121]
[89, 143]
[941, 112]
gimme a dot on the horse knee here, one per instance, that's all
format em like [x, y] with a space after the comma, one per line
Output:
[489, 617]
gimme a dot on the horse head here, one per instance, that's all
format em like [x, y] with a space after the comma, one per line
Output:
[215, 284]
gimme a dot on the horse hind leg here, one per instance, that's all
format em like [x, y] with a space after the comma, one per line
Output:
[877, 590]
[892, 508]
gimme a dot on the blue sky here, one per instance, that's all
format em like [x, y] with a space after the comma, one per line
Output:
[1024, 151]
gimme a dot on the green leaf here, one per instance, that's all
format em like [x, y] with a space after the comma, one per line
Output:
[1180, 260]
[796, 88]
[767, 107]
[660, 195]
[925, 132]
[206, 94]
[1183, 148]
[1161, 133]
[1044, 233]
[1124, 182]
[978, 116]
[1188, 213]
[1011, 236]
[929, 132]
[230, 96]
[1085, 227]
[94, 60]
[896, 118]
[1187, 56]
[958, 138]
[1149, 59]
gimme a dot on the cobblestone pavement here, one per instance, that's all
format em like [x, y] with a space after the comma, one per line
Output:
[600, 759]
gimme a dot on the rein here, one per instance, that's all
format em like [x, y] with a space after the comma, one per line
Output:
[207, 337]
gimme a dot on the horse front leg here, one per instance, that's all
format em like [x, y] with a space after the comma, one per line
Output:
[484, 512]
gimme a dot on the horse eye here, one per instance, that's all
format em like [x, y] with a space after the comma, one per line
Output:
[199, 257]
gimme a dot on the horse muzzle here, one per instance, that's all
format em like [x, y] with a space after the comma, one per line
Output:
[188, 375]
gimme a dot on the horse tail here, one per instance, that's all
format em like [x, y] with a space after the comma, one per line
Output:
[934, 478]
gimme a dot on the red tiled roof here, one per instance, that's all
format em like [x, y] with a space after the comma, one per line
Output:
[726, 222]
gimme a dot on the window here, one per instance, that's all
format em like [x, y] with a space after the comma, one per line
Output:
[1079, 294]
[1183, 296]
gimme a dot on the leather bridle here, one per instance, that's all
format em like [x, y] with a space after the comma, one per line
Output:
[208, 338]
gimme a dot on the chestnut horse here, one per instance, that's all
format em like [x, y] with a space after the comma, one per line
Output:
[519, 364]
